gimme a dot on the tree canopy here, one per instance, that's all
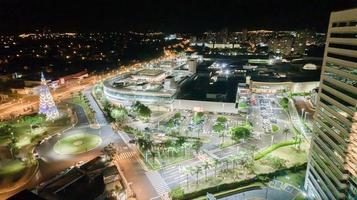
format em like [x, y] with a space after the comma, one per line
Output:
[141, 109]
[198, 117]
[118, 113]
[240, 132]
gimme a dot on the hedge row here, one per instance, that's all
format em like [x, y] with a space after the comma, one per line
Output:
[229, 186]
[273, 147]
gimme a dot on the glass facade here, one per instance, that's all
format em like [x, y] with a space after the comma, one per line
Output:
[138, 96]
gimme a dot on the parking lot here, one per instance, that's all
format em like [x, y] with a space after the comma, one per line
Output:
[266, 112]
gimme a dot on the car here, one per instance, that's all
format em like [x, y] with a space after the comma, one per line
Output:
[132, 141]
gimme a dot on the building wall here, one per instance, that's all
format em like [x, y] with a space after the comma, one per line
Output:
[331, 172]
[204, 106]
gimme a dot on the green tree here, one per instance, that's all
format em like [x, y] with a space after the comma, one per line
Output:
[186, 146]
[145, 143]
[6, 130]
[153, 154]
[173, 150]
[240, 132]
[206, 166]
[216, 164]
[197, 145]
[218, 128]
[170, 124]
[177, 116]
[198, 118]
[197, 170]
[180, 141]
[284, 103]
[188, 170]
[221, 119]
[109, 151]
[142, 110]
[226, 161]
[118, 114]
[177, 193]
[286, 132]
[276, 162]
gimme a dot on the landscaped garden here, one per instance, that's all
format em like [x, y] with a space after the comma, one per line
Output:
[19, 136]
[77, 143]
[286, 164]
[81, 99]
[187, 135]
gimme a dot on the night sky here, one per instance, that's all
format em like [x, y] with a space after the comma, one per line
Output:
[166, 15]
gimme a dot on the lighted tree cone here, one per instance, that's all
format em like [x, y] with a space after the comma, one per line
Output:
[47, 105]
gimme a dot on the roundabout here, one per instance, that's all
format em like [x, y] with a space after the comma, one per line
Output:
[77, 143]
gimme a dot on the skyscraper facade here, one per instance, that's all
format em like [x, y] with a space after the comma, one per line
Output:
[332, 167]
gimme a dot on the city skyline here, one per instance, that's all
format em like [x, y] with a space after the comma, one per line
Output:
[174, 16]
[156, 100]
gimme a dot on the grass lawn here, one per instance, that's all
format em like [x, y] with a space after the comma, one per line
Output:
[274, 128]
[77, 143]
[242, 105]
[80, 101]
[27, 136]
[296, 179]
[11, 167]
[268, 150]
[292, 154]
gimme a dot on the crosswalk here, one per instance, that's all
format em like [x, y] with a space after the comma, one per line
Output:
[125, 155]
[159, 184]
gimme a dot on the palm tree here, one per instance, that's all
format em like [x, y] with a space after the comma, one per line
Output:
[12, 145]
[298, 140]
[188, 170]
[233, 159]
[185, 146]
[254, 149]
[226, 161]
[153, 155]
[224, 132]
[197, 170]
[146, 144]
[206, 166]
[197, 145]
[216, 163]
[286, 131]
[173, 150]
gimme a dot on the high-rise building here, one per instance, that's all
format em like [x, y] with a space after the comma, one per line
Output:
[332, 167]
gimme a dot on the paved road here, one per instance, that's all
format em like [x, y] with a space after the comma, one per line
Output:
[52, 163]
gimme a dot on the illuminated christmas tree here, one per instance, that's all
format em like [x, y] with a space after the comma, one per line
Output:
[47, 105]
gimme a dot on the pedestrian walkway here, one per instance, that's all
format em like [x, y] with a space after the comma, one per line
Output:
[159, 184]
[126, 155]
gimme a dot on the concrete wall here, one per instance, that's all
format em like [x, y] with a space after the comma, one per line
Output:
[205, 106]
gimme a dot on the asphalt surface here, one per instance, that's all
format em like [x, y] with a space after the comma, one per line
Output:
[52, 163]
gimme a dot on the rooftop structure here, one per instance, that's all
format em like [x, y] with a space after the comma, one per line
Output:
[150, 75]
[150, 86]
